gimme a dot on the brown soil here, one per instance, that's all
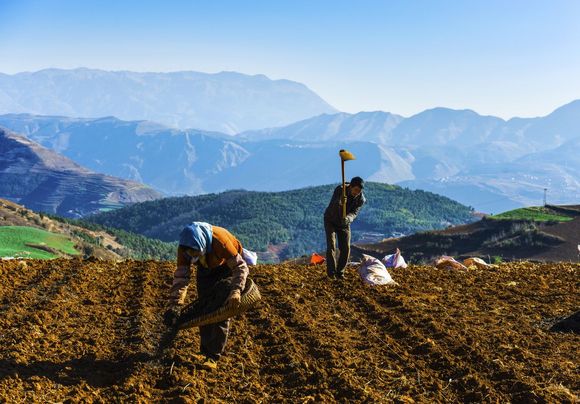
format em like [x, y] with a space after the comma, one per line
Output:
[570, 233]
[90, 330]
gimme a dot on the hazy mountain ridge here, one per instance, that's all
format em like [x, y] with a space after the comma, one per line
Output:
[194, 162]
[229, 102]
[43, 180]
[481, 161]
[464, 155]
[170, 160]
[364, 126]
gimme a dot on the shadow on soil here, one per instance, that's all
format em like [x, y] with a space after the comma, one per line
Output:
[96, 372]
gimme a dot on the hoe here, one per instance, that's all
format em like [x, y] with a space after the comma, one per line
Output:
[345, 155]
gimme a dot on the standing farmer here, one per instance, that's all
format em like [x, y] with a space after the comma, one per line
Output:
[337, 227]
[218, 255]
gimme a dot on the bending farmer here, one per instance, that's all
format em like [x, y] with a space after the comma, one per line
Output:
[217, 255]
[338, 228]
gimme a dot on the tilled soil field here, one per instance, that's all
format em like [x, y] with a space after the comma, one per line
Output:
[73, 330]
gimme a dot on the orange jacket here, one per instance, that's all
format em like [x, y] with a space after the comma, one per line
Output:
[226, 249]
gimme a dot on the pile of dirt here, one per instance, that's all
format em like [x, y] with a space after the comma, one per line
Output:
[90, 331]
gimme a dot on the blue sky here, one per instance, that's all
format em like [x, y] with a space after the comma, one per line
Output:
[505, 58]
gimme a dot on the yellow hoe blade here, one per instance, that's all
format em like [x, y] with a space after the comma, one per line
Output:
[346, 155]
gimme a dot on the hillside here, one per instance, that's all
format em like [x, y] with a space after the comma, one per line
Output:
[456, 153]
[90, 331]
[228, 102]
[43, 180]
[170, 160]
[288, 224]
[547, 233]
[27, 234]
[193, 162]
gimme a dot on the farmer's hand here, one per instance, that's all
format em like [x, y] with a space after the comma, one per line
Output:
[234, 298]
[171, 315]
[345, 222]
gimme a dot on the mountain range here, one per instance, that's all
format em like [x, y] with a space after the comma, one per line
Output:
[484, 162]
[43, 180]
[194, 162]
[228, 102]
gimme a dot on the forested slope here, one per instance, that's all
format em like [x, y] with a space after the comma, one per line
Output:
[290, 221]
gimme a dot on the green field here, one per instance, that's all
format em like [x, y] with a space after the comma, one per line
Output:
[535, 213]
[30, 242]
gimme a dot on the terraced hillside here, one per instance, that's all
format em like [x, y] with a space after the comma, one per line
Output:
[90, 331]
[45, 181]
[548, 234]
[28, 234]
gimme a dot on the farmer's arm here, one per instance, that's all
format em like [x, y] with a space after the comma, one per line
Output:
[181, 278]
[356, 209]
[239, 272]
[230, 249]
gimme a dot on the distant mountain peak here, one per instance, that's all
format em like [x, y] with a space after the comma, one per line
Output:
[228, 102]
[572, 107]
[455, 112]
[370, 126]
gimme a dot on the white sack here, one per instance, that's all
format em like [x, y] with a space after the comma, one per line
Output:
[250, 257]
[477, 263]
[373, 272]
[395, 260]
[447, 262]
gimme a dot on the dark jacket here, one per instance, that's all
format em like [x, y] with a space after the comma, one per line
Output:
[333, 212]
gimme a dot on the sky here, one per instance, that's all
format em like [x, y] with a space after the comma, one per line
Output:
[504, 58]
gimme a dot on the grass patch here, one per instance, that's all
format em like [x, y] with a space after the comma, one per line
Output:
[30, 242]
[535, 213]
[110, 206]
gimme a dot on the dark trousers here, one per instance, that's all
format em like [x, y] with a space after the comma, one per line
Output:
[342, 234]
[213, 336]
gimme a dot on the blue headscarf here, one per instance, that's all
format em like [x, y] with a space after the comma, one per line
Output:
[198, 236]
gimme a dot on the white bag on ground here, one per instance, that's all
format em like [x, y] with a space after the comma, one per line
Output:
[395, 260]
[250, 257]
[447, 262]
[373, 272]
[478, 263]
